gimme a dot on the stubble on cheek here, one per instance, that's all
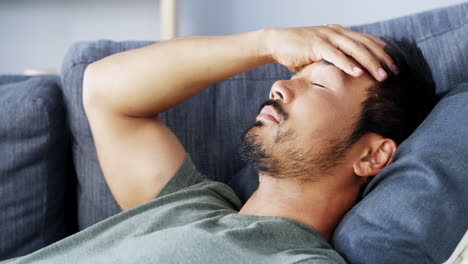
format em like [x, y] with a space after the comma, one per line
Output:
[266, 155]
[282, 135]
[283, 155]
[252, 149]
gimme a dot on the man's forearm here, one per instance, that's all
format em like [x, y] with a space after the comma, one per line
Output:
[146, 81]
[149, 80]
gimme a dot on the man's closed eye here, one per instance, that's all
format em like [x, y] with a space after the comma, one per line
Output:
[319, 85]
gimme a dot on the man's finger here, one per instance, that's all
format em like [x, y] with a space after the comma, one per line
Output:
[339, 59]
[377, 40]
[361, 54]
[375, 46]
[382, 55]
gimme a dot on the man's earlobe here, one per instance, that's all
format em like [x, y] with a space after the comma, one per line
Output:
[375, 156]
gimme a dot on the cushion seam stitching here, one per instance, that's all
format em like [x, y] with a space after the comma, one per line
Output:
[441, 33]
[47, 121]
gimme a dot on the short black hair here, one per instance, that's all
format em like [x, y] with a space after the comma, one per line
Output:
[397, 106]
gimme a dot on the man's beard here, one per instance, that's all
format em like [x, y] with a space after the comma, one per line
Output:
[285, 157]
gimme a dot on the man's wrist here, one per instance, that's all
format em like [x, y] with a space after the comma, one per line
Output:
[264, 50]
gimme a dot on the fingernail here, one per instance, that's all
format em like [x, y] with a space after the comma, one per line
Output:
[357, 71]
[395, 68]
[382, 73]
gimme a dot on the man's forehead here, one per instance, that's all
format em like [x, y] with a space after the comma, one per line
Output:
[321, 64]
[324, 64]
[328, 75]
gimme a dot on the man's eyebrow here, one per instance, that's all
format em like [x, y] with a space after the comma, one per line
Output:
[327, 63]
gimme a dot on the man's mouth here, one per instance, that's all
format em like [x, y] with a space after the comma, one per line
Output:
[269, 113]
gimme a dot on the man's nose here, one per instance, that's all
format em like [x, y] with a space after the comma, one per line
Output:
[281, 91]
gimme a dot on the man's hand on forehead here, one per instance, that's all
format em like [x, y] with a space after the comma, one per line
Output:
[352, 52]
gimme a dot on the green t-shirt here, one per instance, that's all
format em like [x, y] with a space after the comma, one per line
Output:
[193, 220]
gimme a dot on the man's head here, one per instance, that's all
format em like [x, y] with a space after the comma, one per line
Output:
[324, 122]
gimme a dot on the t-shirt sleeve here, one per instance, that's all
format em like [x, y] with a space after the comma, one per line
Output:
[187, 175]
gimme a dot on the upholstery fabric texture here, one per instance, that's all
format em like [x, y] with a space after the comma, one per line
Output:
[209, 126]
[33, 148]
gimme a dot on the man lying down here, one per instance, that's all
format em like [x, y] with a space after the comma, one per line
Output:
[317, 140]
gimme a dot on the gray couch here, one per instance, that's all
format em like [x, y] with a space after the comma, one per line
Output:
[51, 185]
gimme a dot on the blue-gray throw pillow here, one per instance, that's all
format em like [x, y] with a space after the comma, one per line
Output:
[33, 155]
[415, 210]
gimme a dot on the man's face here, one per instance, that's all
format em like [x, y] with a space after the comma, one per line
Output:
[302, 132]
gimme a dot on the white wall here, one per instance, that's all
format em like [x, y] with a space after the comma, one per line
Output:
[37, 33]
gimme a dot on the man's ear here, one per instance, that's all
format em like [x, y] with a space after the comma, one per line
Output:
[376, 154]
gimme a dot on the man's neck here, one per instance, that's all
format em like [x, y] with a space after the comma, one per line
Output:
[319, 205]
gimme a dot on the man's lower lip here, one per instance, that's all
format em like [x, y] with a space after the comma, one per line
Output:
[269, 117]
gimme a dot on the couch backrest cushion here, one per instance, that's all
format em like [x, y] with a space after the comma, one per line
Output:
[94, 199]
[440, 33]
[33, 163]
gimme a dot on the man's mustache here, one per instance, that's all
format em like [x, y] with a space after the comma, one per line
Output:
[278, 108]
